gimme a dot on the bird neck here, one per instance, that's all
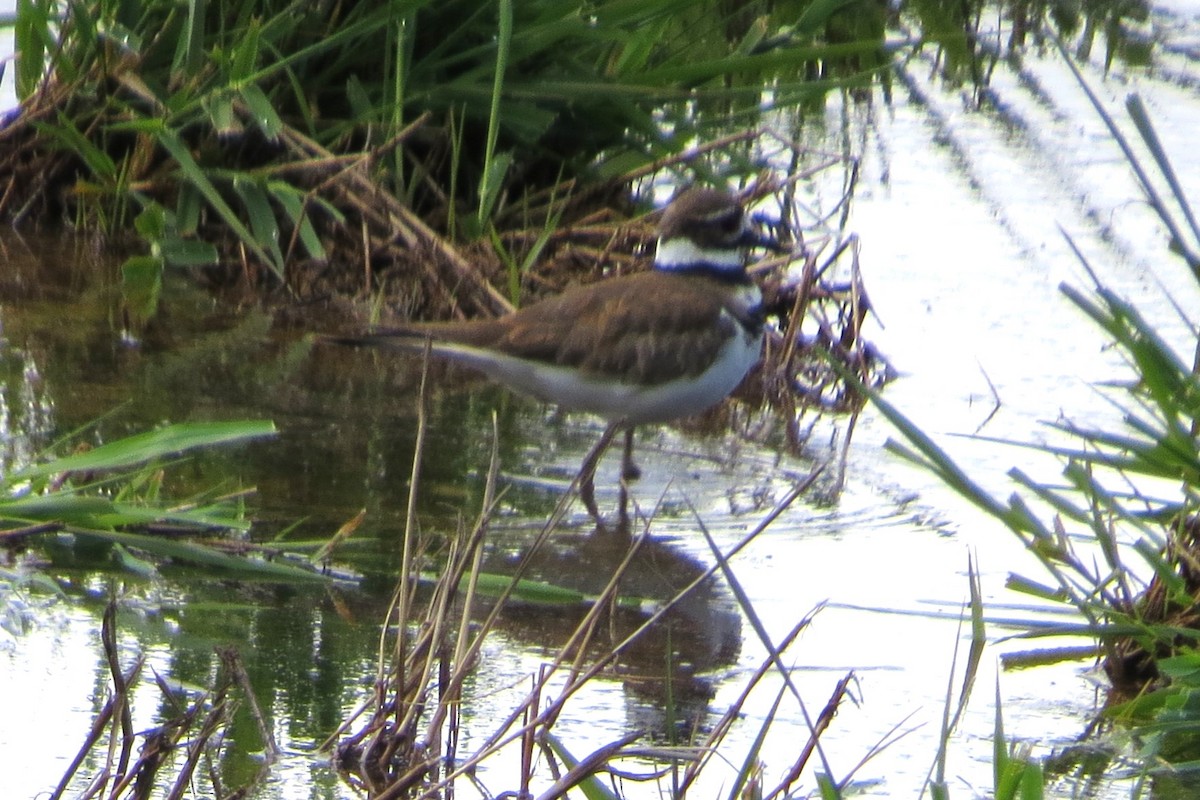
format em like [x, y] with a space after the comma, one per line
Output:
[680, 254]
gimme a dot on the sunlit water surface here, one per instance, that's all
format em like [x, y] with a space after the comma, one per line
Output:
[961, 215]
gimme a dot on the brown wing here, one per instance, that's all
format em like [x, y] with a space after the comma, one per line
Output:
[647, 328]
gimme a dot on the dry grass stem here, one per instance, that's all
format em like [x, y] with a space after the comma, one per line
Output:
[169, 754]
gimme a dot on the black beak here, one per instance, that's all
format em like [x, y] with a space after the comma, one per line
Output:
[752, 238]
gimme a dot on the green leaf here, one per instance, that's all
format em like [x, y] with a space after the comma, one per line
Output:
[219, 106]
[621, 162]
[829, 789]
[262, 218]
[141, 284]
[1033, 781]
[591, 786]
[203, 555]
[192, 171]
[291, 199]
[187, 210]
[245, 55]
[756, 32]
[32, 38]
[1019, 583]
[261, 110]
[130, 562]
[144, 447]
[1183, 668]
[152, 223]
[361, 107]
[177, 252]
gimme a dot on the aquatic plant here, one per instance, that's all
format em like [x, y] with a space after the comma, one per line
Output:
[112, 494]
[1118, 536]
[404, 739]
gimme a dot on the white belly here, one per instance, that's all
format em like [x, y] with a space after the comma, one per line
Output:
[628, 402]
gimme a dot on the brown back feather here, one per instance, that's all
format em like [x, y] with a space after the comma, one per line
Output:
[616, 328]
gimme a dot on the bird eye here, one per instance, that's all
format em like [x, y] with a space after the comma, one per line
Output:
[732, 223]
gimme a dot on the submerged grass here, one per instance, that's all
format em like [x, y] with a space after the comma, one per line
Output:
[113, 494]
[167, 761]
[405, 738]
[409, 735]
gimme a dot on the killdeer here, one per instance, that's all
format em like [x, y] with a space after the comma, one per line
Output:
[647, 347]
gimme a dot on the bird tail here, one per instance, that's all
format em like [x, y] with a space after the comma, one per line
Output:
[410, 339]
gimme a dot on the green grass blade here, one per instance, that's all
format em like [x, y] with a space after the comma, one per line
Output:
[752, 762]
[1131, 159]
[262, 111]
[592, 787]
[1141, 119]
[245, 54]
[69, 137]
[263, 224]
[90, 511]
[817, 15]
[493, 168]
[189, 53]
[829, 790]
[144, 447]
[1000, 760]
[525, 590]
[195, 174]
[201, 555]
[291, 199]
[128, 561]
[32, 40]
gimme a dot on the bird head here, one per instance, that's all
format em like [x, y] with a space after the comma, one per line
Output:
[708, 231]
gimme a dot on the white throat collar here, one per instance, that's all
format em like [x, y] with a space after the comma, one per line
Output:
[680, 253]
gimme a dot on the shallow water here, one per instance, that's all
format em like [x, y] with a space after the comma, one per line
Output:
[959, 214]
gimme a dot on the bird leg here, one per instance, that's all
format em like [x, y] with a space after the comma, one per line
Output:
[587, 472]
[629, 470]
[587, 493]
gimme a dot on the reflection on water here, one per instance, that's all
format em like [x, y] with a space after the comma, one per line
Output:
[958, 209]
[26, 410]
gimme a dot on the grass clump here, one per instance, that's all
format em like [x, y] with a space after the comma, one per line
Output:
[290, 141]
